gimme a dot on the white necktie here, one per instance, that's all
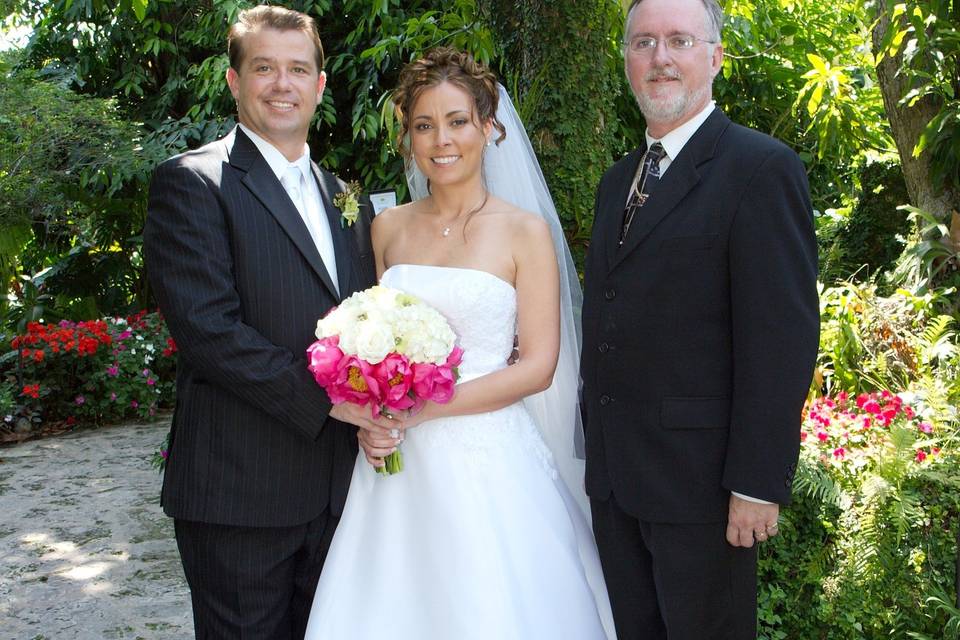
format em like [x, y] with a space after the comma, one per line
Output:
[312, 213]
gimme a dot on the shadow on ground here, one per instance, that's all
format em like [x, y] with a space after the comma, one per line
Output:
[86, 550]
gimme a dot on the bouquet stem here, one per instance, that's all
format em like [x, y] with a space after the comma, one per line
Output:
[393, 463]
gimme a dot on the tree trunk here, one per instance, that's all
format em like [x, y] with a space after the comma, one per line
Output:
[906, 125]
[558, 70]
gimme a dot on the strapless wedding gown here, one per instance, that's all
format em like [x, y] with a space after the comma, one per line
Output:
[477, 538]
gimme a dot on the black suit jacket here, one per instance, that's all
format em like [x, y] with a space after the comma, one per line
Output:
[241, 285]
[700, 333]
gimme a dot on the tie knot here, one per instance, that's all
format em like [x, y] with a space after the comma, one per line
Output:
[291, 178]
[656, 152]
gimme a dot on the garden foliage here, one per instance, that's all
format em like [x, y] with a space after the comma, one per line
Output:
[869, 547]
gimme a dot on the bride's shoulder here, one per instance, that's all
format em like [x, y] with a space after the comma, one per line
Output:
[389, 218]
[521, 223]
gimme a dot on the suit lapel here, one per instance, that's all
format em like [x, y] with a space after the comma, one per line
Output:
[615, 209]
[342, 247]
[676, 183]
[263, 183]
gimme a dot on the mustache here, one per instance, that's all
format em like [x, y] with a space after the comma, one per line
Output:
[662, 74]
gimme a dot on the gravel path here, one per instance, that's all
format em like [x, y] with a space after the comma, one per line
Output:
[85, 551]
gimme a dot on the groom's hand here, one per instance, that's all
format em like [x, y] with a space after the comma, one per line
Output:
[360, 416]
[749, 521]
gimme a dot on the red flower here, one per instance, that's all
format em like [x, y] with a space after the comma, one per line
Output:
[921, 455]
[31, 390]
[871, 406]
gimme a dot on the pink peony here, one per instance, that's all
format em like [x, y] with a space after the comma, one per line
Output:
[395, 378]
[921, 455]
[839, 453]
[355, 383]
[323, 360]
[925, 427]
[822, 436]
[871, 406]
[437, 382]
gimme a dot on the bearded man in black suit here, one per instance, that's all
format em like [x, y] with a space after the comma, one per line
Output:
[700, 331]
[245, 251]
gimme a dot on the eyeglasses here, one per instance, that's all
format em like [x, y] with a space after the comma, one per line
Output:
[643, 45]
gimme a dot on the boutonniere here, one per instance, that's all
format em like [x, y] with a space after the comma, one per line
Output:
[348, 203]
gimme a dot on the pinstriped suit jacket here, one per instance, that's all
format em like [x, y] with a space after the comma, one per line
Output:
[242, 285]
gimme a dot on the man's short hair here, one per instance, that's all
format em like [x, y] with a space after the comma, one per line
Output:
[714, 14]
[269, 17]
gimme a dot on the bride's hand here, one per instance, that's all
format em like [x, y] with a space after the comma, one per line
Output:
[376, 447]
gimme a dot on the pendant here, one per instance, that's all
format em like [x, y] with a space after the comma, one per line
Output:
[445, 232]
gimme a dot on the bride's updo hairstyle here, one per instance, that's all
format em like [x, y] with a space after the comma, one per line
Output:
[445, 64]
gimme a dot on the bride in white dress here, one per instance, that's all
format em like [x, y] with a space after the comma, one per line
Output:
[484, 534]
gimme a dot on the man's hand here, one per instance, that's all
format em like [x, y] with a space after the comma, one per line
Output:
[749, 521]
[360, 416]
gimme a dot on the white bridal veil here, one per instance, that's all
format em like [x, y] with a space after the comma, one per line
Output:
[512, 173]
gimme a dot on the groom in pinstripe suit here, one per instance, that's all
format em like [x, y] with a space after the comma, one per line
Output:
[245, 252]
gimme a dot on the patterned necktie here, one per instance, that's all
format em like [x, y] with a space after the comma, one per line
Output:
[641, 188]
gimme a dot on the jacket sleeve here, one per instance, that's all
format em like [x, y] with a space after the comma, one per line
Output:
[189, 262]
[775, 327]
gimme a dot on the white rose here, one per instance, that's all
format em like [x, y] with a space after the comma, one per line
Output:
[374, 341]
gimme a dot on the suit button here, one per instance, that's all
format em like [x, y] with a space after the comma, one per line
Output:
[610, 294]
[605, 400]
[604, 347]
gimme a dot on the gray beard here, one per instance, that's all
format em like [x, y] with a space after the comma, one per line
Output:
[670, 110]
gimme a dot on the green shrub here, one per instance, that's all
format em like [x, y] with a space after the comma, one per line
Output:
[872, 535]
[867, 244]
[71, 200]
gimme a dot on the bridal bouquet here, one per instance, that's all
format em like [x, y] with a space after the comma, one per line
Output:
[386, 349]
